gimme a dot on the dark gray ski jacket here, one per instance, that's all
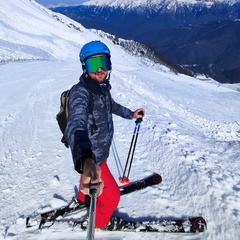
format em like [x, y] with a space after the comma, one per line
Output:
[90, 129]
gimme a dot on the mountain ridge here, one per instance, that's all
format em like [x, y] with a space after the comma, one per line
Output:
[154, 4]
[158, 29]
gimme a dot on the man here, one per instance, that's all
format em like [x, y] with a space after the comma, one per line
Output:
[90, 132]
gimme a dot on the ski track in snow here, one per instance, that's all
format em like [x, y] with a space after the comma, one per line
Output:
[204, 160]
[190, 135]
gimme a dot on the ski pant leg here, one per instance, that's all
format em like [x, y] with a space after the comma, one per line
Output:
[108, 201]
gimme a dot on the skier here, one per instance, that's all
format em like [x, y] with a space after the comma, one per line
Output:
[90, 133]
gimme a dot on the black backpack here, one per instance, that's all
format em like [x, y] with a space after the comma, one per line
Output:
[62, 116]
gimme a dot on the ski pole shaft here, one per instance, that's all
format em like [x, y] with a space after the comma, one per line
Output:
[94, 192]
[129, 152]
[125, 179]
[135, 143]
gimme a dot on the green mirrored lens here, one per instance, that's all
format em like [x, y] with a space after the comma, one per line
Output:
[94, 63]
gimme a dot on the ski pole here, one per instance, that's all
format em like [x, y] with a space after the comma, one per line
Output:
[125, 179]
[130, 165]
[94, 192]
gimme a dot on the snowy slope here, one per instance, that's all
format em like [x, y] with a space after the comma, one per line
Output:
[190, 135]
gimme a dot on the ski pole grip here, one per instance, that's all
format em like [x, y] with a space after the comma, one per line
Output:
[94, 190]
[139, 119]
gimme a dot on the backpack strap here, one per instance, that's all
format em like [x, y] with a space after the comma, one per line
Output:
[64, 116]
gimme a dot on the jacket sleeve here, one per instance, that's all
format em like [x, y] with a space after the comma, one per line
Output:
[120, 110]
[77, 132]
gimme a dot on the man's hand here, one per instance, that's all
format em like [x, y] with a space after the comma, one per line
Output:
[139, 113]
[91, 176]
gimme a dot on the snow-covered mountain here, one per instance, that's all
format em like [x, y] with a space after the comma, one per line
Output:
[200, 35]
[190, 134]
[154, 4]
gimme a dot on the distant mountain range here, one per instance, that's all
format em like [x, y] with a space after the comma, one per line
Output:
[203, 37]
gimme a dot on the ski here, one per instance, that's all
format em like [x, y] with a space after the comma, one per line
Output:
[188, 225]
[141, 184]
[51, 216]
[76, 205]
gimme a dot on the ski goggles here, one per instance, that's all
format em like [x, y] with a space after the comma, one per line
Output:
[92, 64]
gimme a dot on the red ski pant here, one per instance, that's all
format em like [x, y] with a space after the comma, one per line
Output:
[108, 201]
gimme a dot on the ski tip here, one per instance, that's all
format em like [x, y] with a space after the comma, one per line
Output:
[157, 178]
[124, 180]
[199, 224]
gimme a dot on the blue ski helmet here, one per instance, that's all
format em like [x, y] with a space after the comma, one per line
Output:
[93, 48]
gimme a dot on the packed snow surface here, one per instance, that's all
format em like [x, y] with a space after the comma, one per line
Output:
[190, 134]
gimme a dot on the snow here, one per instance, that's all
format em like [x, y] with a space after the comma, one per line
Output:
[190, 134]
[152, 3]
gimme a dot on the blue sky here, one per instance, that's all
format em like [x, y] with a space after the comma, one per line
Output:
[46, 2]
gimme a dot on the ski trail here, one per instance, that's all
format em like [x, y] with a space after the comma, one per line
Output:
[188, 169]
[26, 153]
[212, 129]
[222, 131]
[185, 154]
